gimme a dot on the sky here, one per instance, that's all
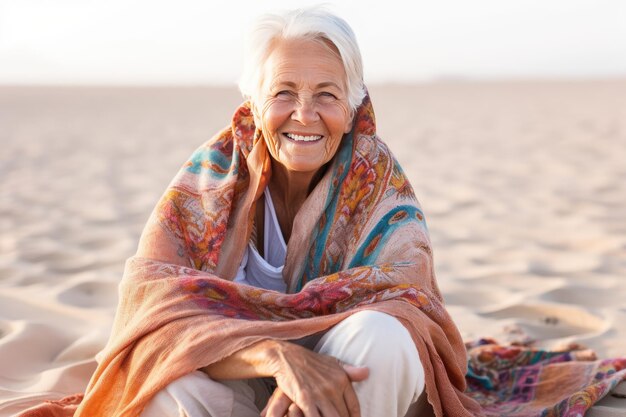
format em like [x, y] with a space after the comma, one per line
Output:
[192, 42]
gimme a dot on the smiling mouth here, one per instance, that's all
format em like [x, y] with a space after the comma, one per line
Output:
[302, 138]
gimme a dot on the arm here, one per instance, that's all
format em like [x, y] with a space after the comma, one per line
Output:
[317, 384]
[255, 361]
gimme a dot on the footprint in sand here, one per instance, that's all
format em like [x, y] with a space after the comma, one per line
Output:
[543, 320]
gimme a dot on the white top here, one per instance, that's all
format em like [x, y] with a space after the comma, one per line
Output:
[265, 272]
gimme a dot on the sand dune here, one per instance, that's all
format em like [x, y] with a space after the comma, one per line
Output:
[523, 185]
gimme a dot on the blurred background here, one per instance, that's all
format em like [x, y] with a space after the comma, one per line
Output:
[199, 42]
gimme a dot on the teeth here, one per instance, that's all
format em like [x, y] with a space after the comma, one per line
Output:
[303, 138]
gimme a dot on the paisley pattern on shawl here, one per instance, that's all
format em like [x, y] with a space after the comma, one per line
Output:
[525, 381]
[197, 205]
[336, 293]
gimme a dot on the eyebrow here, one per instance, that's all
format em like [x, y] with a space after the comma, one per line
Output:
[320, 85]
[328, 84]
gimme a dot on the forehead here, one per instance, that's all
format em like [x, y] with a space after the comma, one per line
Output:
[303, 60]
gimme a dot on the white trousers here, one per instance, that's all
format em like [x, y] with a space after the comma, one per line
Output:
[367, 338]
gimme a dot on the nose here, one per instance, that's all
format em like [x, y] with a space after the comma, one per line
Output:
[305, 111]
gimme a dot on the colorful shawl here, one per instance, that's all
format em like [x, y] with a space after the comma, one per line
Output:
[521, 381]
[358, 242]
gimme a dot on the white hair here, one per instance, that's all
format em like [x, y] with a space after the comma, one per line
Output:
[315, 23]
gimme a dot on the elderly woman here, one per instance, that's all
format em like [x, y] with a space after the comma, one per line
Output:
[287, 269]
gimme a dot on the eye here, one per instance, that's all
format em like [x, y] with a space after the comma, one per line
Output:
[283, 93]
[328, 94]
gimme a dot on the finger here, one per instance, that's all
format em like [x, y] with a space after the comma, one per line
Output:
[352, 402]
[328, 409]
[294, 411]
[308, 406]
[264, 411]
[356, 373]
[278, 404]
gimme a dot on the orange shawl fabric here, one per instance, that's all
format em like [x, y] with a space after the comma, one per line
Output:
[358, 242]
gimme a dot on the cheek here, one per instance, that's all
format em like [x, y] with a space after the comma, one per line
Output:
[337, 118]
[341, 121]
[269, 124]
[274, 114]
[335, 139]
[332, 146]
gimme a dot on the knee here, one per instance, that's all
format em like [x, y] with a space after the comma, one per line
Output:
[166, 401]
[381, 343]
[192, 394]
[374, 339]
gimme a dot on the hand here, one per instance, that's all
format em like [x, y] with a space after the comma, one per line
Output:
[281, 405]
[313, 385]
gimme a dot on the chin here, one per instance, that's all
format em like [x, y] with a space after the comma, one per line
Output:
[303, 168]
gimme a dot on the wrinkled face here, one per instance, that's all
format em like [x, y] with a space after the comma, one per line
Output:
[302, 107]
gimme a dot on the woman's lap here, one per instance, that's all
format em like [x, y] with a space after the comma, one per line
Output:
[367, 338]
[382, 343]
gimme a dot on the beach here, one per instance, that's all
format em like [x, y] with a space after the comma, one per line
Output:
[523, 184]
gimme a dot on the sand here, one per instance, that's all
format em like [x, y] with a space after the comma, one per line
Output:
[523, 185]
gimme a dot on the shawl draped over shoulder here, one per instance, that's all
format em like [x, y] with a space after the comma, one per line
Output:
[359, 242]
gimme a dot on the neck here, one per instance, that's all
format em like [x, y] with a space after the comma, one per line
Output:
[291, 188]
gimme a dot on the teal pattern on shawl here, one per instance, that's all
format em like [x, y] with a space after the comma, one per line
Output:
[375, 242]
